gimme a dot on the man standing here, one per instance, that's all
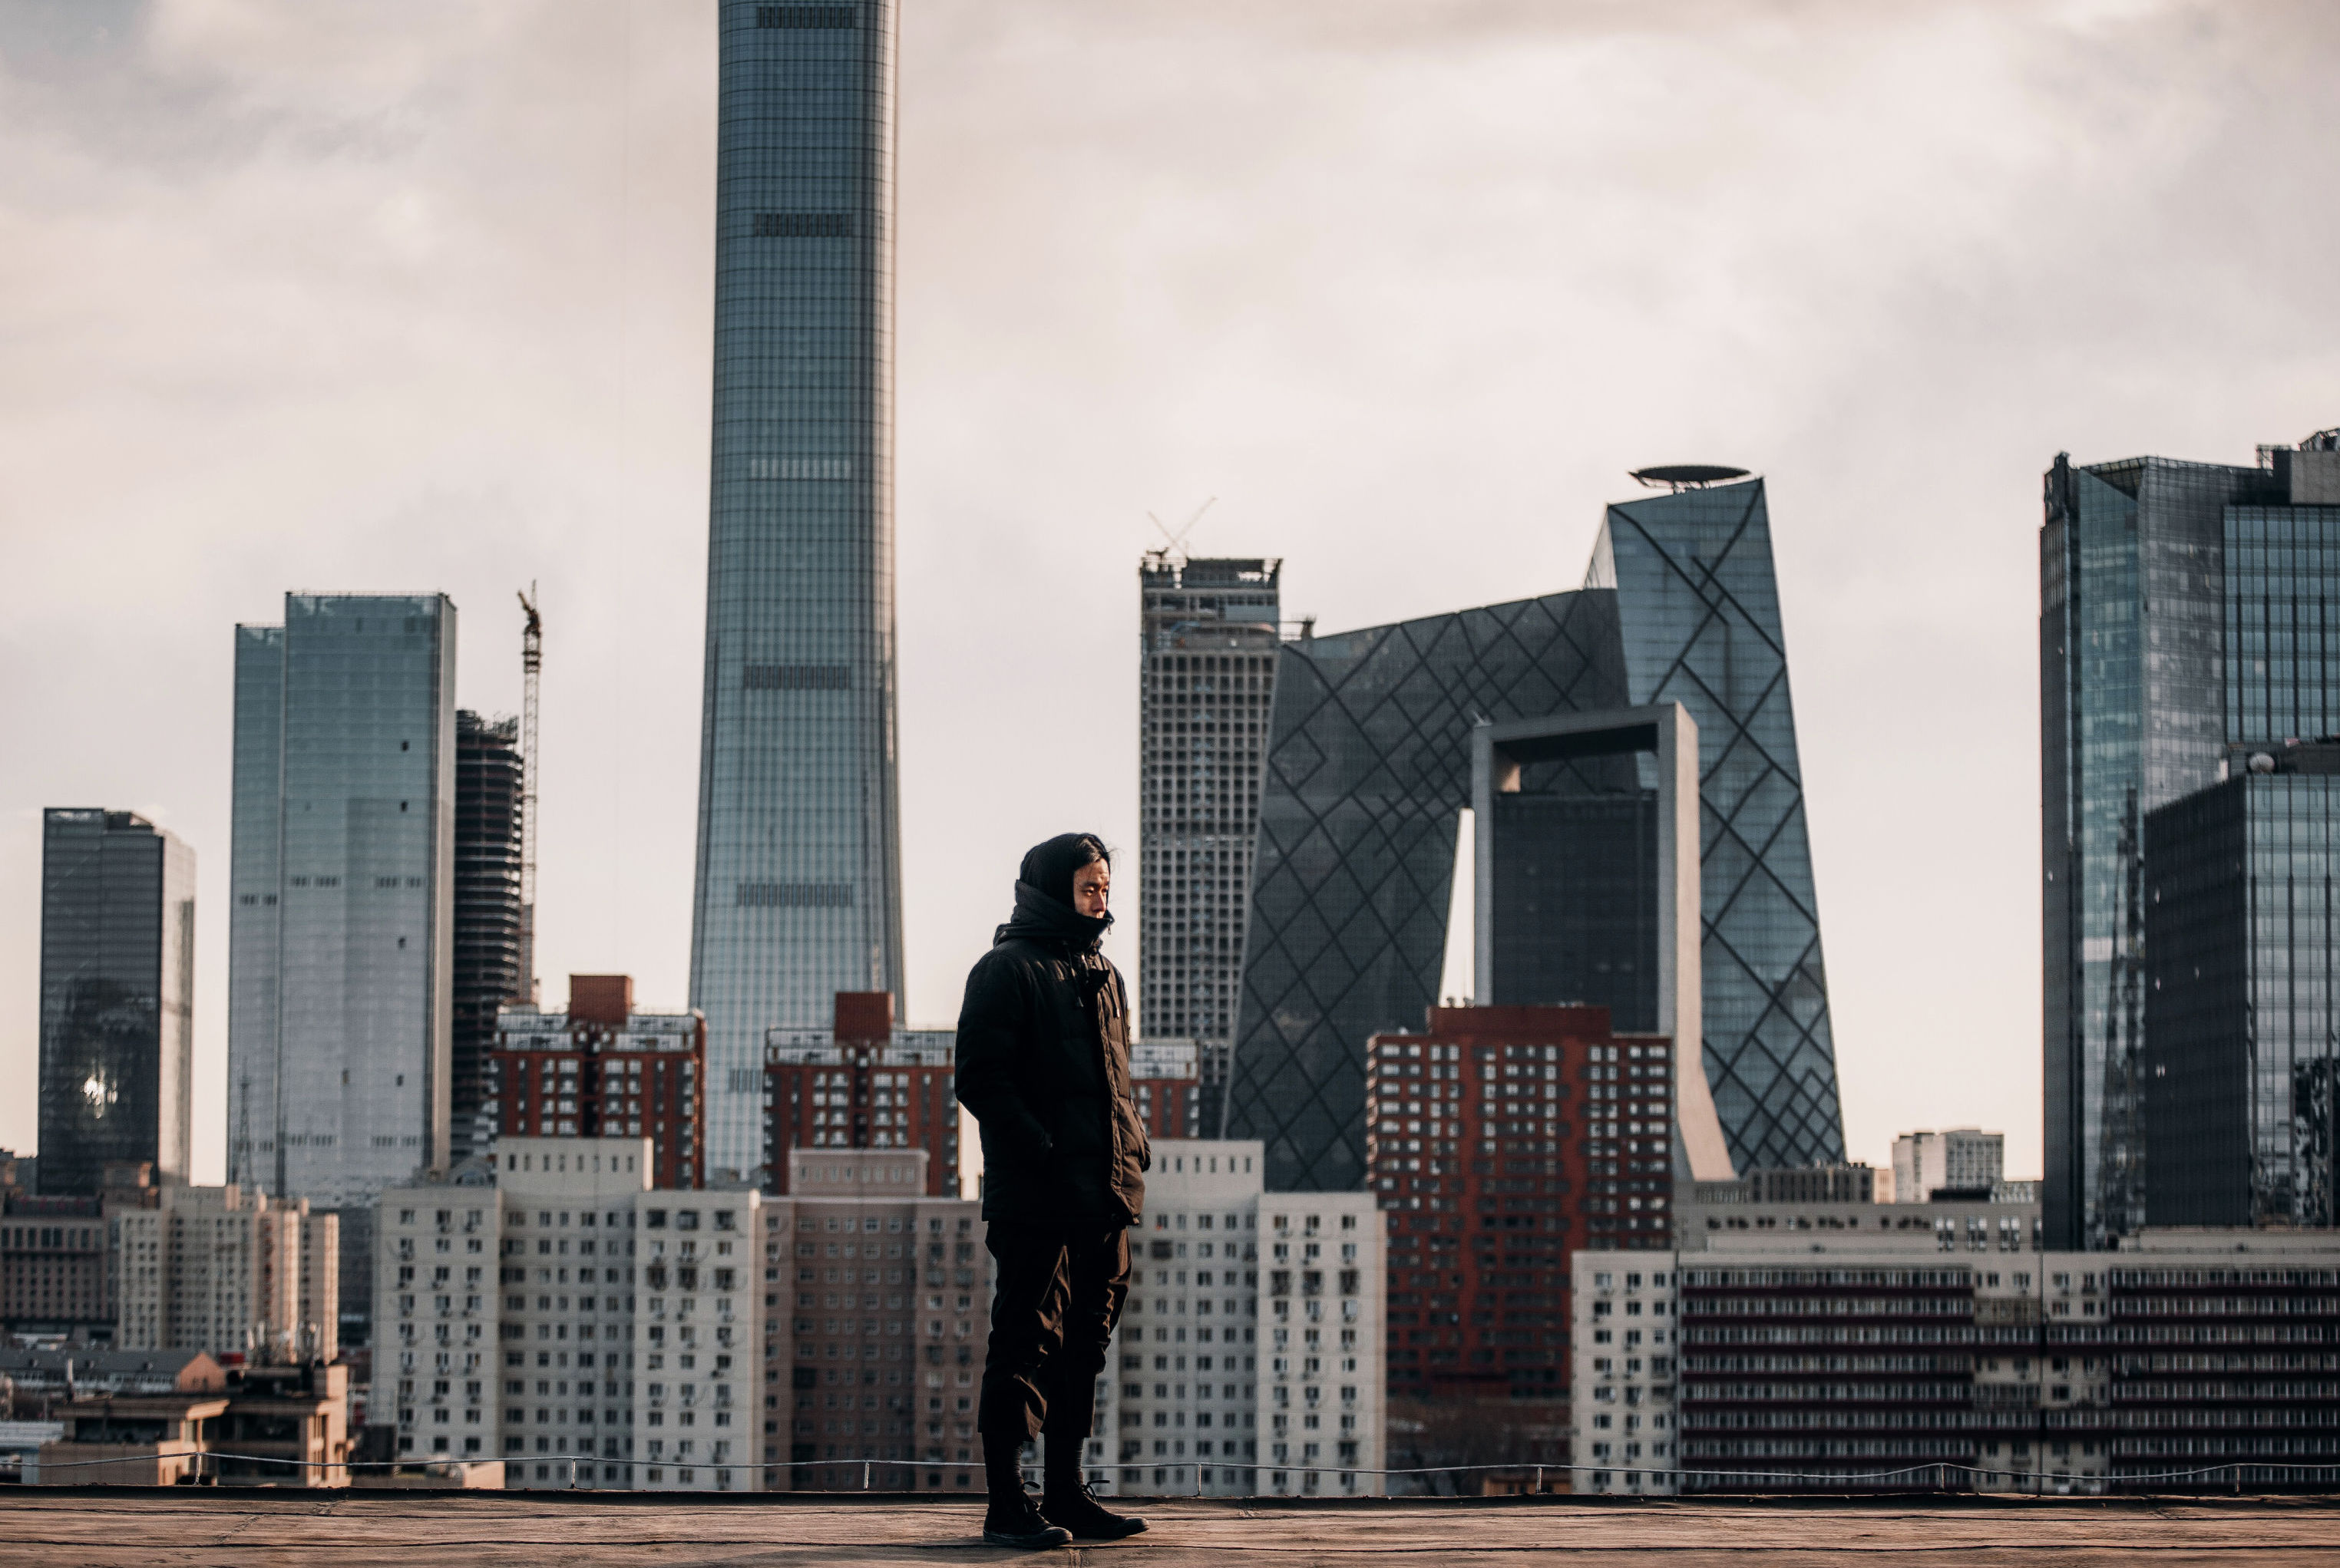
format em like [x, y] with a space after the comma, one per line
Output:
[1044, 1067]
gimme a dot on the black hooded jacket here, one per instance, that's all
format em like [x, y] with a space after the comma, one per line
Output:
[1043, 1066]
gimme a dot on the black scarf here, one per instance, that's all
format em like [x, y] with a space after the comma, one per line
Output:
[1039, 918]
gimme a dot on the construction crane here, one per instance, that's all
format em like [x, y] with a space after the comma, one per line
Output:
[1173, 545]
[532, 667]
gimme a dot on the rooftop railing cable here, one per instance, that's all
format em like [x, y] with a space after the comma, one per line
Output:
[2233, 1470]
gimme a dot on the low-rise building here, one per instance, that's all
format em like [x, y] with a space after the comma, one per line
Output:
[1178, 1406]
[230, 1271]
[182, 1419]
[582, 1326]
[56, 1272]
[1625, 1351]
[21, 1443]
[1249, 1356]
[876, 1299]
[62, 1374]
[1846, 1183]
[1716, 1213]
[1866, 1362]
[439, 1271]
[131, 1440]
[284, 1426]
[1962, 1160]
[1322, 1370]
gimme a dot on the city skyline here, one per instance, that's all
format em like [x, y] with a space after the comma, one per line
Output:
[490, 385]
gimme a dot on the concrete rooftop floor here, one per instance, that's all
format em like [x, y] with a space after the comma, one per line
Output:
[157, 1529]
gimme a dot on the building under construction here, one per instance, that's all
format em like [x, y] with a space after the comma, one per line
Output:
[489, 973]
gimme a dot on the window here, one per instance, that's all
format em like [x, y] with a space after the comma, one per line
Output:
[804, 226]
[806, 16]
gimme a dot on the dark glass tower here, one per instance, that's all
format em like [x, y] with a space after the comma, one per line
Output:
[1369, 766]
[2243, 995]
[798, 873]
[1368, 770]
[1697, 610]
[2242, 914]
[117, 979]
[2185, 608]
[488, 972]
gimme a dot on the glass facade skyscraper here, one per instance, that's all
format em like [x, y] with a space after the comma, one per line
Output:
[117, 985]
[1368, 770]
[799, 861]
[2241, 930]
[1208, 633]
[340, 930]
[2181, 610]
[1369, 766]
[1697, 610]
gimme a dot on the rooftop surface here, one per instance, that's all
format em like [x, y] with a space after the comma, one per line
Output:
[165, 1530]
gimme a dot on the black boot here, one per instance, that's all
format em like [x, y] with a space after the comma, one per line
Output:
[1068, 1502]
[1010, 1519]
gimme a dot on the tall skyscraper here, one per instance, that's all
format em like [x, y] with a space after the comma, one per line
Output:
[117, 982]
[2185, 608]
[799, 875]
[340, 948]
[1206, 685]
[489, 961]
[1370, 766]
[1698, 612]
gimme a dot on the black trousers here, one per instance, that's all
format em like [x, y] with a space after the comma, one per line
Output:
[1060, 1296]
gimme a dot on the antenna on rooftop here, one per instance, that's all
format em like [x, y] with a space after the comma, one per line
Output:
[1175, 544]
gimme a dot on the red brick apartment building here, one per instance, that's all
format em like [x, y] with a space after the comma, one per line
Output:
[1500, 1140]
[1166, 1076]
[602, 1070]
[864, 1084]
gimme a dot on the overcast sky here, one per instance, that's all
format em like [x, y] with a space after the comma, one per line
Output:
[417, 295]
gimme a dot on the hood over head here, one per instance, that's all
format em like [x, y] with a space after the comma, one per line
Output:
[1044, 894]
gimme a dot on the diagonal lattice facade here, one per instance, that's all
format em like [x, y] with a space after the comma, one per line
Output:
[1698, 606]
[1369, 766]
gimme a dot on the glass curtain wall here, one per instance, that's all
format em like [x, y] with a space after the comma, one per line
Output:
[117, 979]
[799, 880]
[1369, 769]
[2132, 717]
[2241, 1017]
[1698, 608]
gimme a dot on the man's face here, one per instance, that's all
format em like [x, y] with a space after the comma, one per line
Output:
[1091, 884]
